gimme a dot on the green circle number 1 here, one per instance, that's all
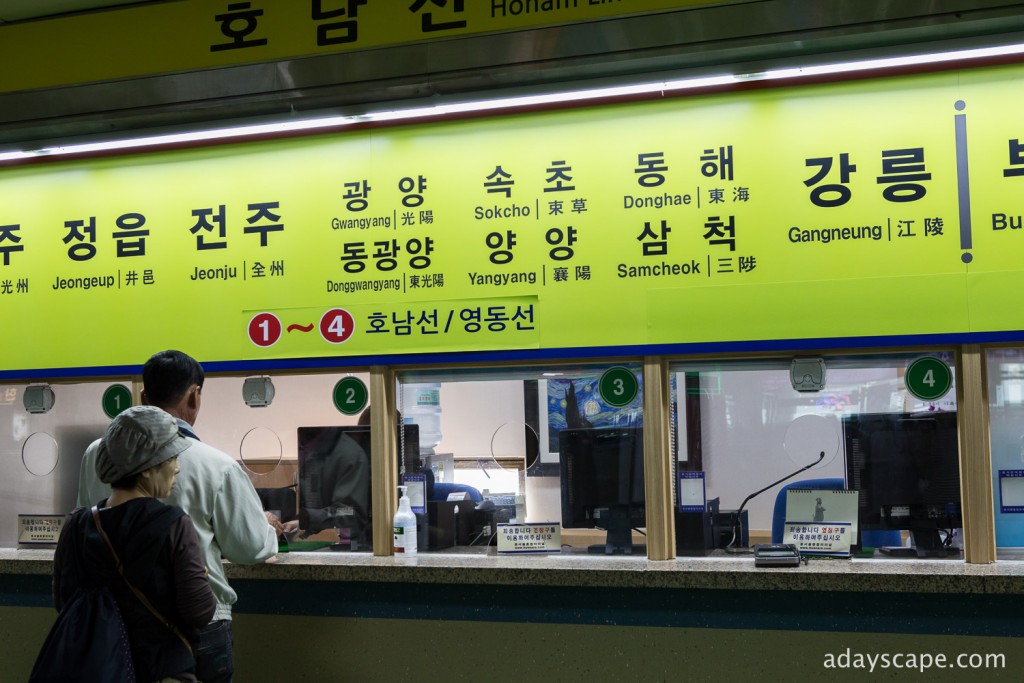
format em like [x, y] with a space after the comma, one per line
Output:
[116, 399]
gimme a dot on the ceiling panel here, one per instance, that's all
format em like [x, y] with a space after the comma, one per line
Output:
[720, 38]
[20, 10]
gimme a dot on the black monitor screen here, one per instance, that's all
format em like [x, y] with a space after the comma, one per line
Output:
[906, 467]
[603, 483]
[334, 480]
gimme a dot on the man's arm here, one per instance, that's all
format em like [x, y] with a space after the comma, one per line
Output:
[239, 523]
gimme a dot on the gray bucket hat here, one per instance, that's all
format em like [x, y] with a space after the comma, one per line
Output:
[139, 438]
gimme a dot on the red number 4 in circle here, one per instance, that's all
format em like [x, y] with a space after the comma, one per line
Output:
[337, 325]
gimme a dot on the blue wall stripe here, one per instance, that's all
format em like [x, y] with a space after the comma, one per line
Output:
[857, 612]
[556, 354]
[18, 590]
[950, 614]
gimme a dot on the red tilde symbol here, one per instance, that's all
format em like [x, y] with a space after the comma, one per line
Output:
[302, 328]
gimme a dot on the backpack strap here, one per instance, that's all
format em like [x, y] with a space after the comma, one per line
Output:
[139, 594]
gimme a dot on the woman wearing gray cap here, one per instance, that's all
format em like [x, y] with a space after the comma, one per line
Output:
[156, 544]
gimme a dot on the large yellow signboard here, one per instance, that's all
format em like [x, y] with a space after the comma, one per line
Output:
[187, 35]
[879, 208]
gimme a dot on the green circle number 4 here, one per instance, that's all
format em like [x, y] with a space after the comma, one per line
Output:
[928, 378]
[350, 395]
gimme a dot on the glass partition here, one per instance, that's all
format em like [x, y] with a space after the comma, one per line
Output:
[297, 436]
[564, 445]
[1006, 432]
[540, 445]
[749, 432]
[257, 420]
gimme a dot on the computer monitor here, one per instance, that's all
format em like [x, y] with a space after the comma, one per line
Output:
[907, 469]
[334, 480]
[603, 484]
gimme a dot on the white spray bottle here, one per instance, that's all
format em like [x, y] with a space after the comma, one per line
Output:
[405, 527]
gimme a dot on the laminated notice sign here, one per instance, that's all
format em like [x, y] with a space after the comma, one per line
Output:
[820, 538]
[545, 537]
[39, 530]
[821, 522]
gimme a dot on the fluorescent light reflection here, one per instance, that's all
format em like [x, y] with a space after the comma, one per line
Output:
[894, 62]
[197, 136]
[16, 156]
[551, 98]
[507, 103]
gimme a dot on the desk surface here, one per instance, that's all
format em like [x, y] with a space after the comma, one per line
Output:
[723, 573]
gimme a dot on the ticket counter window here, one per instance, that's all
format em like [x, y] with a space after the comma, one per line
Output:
[496, 445]
[744, 426]
[300, 440]
[43, 435]
[1006, 424]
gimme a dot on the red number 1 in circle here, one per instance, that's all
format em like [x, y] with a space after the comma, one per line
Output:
[264, 329]
[337, 325]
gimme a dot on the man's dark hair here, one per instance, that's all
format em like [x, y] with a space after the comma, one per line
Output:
[167, 376]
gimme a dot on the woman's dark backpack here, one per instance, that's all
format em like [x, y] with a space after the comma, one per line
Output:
[87, 643]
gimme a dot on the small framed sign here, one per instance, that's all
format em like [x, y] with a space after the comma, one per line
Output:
[1011, 491]
[692, 494]
[417, 491]
[820, 538]
[821, 522]
[39, 531]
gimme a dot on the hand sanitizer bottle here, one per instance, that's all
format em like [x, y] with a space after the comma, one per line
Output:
[405, 527]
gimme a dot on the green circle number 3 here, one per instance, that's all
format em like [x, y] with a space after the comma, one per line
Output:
[618, 387]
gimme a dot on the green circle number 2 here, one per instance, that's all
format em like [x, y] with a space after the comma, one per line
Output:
[928, 378]
[618, 387]
[350, 395]
[116, 399]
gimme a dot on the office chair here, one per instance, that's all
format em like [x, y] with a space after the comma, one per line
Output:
[868, 537]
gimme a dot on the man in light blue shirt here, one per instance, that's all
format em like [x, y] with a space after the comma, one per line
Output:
[215, 492]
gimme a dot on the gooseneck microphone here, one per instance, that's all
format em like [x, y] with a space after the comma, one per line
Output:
[739, 513]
